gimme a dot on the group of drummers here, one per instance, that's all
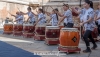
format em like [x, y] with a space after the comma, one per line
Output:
[88, 19]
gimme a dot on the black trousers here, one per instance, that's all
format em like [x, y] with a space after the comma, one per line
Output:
[68, 25]
[87, 35]
[81, 32]
[33, 22]
[98, 29]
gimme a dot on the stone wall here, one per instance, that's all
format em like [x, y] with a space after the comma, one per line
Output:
[5, 8]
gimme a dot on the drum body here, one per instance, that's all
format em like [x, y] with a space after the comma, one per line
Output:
[28, 28]
[18, 27]
[8, 27]
[69, 37]
[94, 33]
[52, 32]
[39, 32]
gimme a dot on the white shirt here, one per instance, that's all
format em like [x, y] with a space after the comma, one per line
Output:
[89, 13]
[32, 17]
[82, 12]
[54, 20]
[20, 19]
[69, 18]
[42, 17]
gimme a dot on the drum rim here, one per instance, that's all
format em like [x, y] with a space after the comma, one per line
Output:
[52, 26]
[8, 24]
[17, 24]
[68, 28]
[40, 26]
[28, 25]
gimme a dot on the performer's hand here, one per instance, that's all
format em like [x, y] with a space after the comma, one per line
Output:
[58, 23]
[94, 19]
[15, 21]
[81, 24]
[72, 8]
[26, 20]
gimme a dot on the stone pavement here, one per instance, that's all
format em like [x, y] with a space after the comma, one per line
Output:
[11, 46]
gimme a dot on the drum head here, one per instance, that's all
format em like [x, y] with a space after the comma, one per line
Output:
[52, 27]
[40, 26]
[27, 25]
[69, 29]
[18, 24]
[8, 24]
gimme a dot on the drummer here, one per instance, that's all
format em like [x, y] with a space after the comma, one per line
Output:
[67, 17]
[41, 17]
[80, 12]
[89, 25]
[16, 16]
[31, 16]
[54, 17]
[20, 18]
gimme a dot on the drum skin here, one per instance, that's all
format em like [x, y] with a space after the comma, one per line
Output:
[69, 38]
[40, 30]
[29, 29]
[52, 33]
[8, 27]
[18, 27]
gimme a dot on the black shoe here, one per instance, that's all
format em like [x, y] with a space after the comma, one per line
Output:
[94, 47]
[87, 51]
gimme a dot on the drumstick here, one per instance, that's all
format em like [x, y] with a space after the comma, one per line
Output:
[51, 7]
[80, 32]
[9, 12]
[18, 9]
[46, 8]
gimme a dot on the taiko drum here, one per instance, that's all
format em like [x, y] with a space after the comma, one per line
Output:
[69, 37]
[40, 29]
[8, 27]
[18, 27]
[52, 32]
[28, 28]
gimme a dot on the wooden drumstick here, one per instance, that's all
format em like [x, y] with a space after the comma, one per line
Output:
[80, 32]
[46, 8]
[51, 7]
[18, 9]
[9, 12]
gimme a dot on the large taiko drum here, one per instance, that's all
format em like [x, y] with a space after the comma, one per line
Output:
[8, 28]
[28, 28]
[69, 37]
[18, 27]
[52, 32]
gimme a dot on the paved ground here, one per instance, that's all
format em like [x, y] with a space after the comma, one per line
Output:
[11, 46]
